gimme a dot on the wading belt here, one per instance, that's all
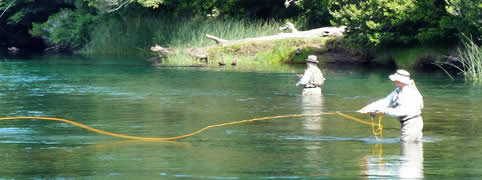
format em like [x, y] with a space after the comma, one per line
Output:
[413, 117]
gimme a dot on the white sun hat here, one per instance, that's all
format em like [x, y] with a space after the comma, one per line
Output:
[312, 58]
[402, 76]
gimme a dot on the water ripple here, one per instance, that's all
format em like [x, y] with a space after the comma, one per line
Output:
[365, 140]
[197, 177]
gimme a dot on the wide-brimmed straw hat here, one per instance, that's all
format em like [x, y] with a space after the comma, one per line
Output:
[402, 76]
[312, 58]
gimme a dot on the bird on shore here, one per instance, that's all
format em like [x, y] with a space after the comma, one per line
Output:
[234, 61]
[222, 63]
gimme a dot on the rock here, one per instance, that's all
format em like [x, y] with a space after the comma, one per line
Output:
[198, 54]
[160, 50]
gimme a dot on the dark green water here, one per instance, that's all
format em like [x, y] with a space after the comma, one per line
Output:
[128, 96]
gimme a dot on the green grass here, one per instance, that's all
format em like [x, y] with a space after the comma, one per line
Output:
[284, 52]
[134, 35]
[408, 57]
[471, 60]
[271, 52]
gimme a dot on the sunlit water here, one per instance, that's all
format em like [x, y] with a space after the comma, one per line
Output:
[129, 96]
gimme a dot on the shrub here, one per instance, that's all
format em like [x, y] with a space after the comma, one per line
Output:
[67, 27]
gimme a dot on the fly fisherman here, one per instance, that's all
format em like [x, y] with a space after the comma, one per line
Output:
[312, 79]
[405, 103]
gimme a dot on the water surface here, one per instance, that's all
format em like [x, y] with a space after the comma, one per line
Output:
[129, 96]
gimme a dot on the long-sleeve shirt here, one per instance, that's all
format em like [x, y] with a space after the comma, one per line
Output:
[404, 103]
[312, 77]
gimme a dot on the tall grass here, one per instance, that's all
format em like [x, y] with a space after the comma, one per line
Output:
[471, 60]
[134, 35]
[285, 51]
[468, 61]
[277, 55]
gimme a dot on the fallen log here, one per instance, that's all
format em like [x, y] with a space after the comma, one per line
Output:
[319, 32]
[202, 54]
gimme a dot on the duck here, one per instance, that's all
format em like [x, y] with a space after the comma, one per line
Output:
[222, 63]
[234, 61]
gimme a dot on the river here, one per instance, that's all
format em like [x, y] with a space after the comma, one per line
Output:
[129, 96]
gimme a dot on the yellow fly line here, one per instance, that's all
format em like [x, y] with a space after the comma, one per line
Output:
[377, 132]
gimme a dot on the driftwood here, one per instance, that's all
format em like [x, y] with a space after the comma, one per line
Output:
[319, 32]
[162, 54]
[61, 48]
[13, 50]
[202, 54]
[161, 50]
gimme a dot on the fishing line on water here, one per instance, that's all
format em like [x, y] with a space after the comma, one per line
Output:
[377, 131]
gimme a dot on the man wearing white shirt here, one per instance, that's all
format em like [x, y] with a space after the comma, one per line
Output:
[405, 103]
[312, 79]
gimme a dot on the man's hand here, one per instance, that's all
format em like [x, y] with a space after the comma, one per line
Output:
[363, 111]
[299, 75]
[380, 112]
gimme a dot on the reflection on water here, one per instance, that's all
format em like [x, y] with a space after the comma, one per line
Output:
[409, 165]
[412, 162]
[312, 105]
[312, 125]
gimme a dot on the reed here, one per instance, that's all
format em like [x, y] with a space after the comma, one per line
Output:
[471, 60]
[134, 35]
[468, 61]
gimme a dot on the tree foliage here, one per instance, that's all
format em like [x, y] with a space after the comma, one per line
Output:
[315, 13]
[67, 27]
[402, 22]
[466, 17]
[376, 22]
[231, 8]
[18, 18]
[369, 22]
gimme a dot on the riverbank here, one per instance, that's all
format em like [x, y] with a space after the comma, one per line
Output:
[330, 50]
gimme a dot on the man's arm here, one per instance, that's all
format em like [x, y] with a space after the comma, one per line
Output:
[411, 104]
[379, 105]
[305, 79]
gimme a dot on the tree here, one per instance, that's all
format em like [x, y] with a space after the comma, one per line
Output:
[388, 22]
[231, 8]
[18, 15]
[68, 29]
[314, 12]
[466, 17]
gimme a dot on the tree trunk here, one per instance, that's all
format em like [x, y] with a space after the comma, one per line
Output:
[320, 32]
[202, 53]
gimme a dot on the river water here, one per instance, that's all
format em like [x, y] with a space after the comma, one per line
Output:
[129, 96]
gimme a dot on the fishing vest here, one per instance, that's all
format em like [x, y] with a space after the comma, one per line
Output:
[317, 78]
